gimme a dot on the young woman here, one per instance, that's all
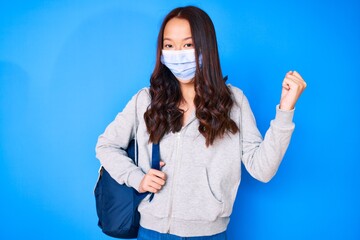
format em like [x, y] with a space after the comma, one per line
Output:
[205, 129]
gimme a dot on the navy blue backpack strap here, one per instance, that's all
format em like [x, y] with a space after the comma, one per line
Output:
[155, 164]
[155, 161]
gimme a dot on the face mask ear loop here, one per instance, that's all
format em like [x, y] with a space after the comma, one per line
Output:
[198, 60]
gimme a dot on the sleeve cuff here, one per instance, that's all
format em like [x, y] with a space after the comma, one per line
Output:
[284, 118]
[135, 178]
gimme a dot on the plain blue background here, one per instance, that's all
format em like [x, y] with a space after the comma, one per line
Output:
[67, 68]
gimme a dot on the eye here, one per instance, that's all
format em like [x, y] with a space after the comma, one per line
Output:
[188, 45]
[167, 45]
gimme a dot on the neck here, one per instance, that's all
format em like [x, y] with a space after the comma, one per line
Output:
[188, 92]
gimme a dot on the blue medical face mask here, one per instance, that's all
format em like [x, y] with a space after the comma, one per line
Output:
[182, 63]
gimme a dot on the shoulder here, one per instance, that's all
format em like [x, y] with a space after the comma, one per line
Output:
[237, 94]
[141, 100]
[143, 94]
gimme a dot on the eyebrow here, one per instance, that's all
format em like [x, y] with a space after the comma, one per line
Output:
[187, 38]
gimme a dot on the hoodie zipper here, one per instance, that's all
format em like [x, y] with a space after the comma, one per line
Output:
[177, 165]
[178, 145]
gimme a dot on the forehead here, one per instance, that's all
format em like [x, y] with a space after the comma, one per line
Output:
[177, 28]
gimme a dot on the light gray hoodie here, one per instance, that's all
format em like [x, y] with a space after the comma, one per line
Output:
[202, 182]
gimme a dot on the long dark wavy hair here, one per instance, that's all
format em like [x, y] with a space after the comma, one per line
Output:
[212, 101]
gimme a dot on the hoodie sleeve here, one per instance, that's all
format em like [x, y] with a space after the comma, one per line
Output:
[111, 146]
[262, 157]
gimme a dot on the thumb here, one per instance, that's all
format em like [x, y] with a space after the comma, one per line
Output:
[162, 164]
